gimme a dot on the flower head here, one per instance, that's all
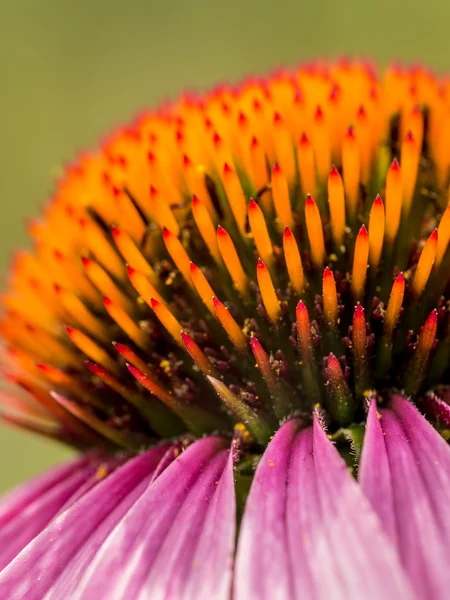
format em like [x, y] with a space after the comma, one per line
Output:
[246, 268]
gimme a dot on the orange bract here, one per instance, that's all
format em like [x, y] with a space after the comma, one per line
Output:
[264, 194]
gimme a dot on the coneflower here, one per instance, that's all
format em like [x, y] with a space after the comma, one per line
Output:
[237, 309]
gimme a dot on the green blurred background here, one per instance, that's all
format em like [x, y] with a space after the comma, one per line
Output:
[72, 70]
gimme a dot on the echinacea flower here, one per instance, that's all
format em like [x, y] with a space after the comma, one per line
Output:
[237, 309]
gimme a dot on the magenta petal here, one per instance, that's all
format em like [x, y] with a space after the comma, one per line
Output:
[215, 548]
[375, 474]
[411, 494]
[17, 500]
[308, 531]
[38, 568]
[171, 544]
[263, 563]
[21, 528]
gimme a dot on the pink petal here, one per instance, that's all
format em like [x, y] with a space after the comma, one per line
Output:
[177, 540]
[19, 528]
[308, 531]
[411, 493]
[37, 568]
[17, 500]
[68, 582]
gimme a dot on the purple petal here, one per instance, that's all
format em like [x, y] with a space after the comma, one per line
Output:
[375, 474]
[412, 493]
[51, 561]
[17, 500]
[264, 568]
[21, 528]
[177, 540]
[308, 531]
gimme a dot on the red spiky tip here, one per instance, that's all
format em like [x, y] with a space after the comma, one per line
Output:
[154, 303]
[254, 143]
[261, 265]
[227, 169]
[359, 311]
[432, 320]
[395, 166]
[135, 372]
[255, 344]
[242, 119]
[87, 262]
[107, 301]
[256, 105]
[121, 348]
[304, 140]
[378, 201]
[334, 366]
[252, 205]
[363, 232]
[276, 169]
[277, 118]
[301, 309]
[167, 234]
[410, 137]
[287, 233]
[70, 330]
[362, 111]
[193, 267]
[327, 273]
[221, 231]
[116, 232]
[130, 270]
[334, 173]
[187, 340]
[95, 368]
[318, 116]
[309, 201]
[195, 200]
